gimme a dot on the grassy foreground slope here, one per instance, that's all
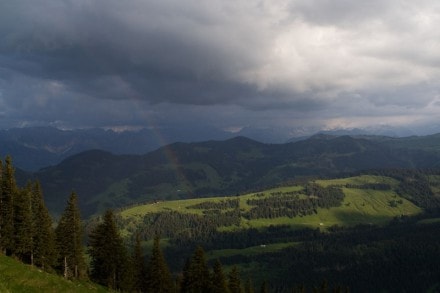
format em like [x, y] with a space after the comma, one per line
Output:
[18, 277]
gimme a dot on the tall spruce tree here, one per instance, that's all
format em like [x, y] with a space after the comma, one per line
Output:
[185, 279]
[248, 286]
[43, 236]
[234, 281]
[7, 195]
[139, 267]
[159, 277]
[69, 235]
[218, 283]
[196, 276]
[23, 225]
[108, 254]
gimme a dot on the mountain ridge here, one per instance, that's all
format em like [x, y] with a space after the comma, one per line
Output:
[38, 147]
[217, 168]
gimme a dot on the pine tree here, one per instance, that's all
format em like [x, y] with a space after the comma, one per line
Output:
[196, 277]
[159, 277]
[8, 193]
[43, 235]
[127, 282]
[218, 284]
[23, 225]
[108, 254]
[185, 278]
[69, 236]
[248, 286]
[139, 267]
[234, 282]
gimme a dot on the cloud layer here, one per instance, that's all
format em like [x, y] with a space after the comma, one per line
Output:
[237, 63]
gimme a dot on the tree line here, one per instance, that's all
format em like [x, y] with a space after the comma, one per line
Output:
[26, 229]
[291, 205]
[415, 185]
[27, 234]
[181, 226]
[115, 266]
[222, 204]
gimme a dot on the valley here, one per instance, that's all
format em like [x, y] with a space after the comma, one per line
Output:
[219, 146]
[333, 211]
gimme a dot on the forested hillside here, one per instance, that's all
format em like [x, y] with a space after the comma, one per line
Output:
[376, 231]
[218, 168]
[277, 211]
[36, 147]
[371, 232]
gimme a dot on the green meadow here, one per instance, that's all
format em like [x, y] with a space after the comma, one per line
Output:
[360, 206]
[16, 277]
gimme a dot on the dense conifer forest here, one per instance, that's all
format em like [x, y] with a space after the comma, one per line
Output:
[26, 229]
[400, 256]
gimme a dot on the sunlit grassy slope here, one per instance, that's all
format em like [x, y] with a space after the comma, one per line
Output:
[18, 277]
[360, 206]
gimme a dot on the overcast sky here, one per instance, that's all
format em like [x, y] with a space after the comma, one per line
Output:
[224, 63]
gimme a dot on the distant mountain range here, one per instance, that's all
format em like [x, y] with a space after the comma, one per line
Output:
[37, 147]
[217, 168]
[33, 148]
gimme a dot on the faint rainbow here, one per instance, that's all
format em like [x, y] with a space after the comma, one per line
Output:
[170, 155]
[173, 159]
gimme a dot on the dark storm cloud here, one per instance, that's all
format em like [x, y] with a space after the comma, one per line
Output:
[141, 50]
[113, 62]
